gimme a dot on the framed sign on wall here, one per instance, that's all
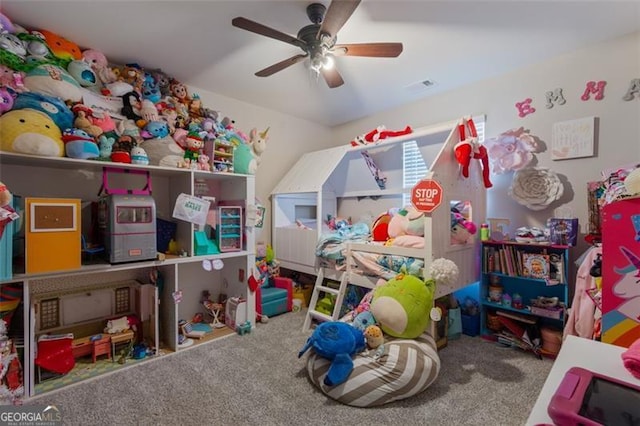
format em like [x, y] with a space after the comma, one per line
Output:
[573, 139]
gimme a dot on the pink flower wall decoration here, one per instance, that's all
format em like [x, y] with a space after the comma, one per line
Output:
[511, 151]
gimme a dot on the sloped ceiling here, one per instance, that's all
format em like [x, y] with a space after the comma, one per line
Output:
[452, 43]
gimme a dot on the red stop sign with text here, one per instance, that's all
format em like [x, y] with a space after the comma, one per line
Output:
[426, 195]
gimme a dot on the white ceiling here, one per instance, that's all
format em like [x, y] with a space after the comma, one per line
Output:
[450, 42]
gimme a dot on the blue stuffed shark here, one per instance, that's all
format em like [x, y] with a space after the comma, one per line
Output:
[337, 341]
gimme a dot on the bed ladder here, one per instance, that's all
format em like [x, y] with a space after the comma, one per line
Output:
[318, 288]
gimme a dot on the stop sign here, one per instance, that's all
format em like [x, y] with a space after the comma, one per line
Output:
[426, 195]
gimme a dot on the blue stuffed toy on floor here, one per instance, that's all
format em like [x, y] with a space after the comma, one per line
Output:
[338, 342]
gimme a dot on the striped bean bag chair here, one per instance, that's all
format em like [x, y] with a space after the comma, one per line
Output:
[405, 368]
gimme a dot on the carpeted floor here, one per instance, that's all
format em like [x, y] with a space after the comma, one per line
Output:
[257, 379]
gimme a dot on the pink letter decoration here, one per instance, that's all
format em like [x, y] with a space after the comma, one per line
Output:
[525, 108]
[597, 88]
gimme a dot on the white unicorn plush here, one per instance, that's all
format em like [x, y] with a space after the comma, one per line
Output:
[258, 144]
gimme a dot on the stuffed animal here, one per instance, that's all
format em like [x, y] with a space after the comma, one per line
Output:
[105, 142]
[79, 144]
[12, 79]
[139, 156]
[30, 132]
[133, 76]
[53, 106]
[363, 320]
[163, 151]
[11, 43]
[84, 75]
[470, 148]
[402, 305]
[204, 163]
[83, 122]
[100, 66]
[163, 81]
[6, 100]
[131, 105]
[338, 342]
[103, 120]
[121, 151]
[375, 340]
[194, 144]
[95, 59]
[6, 26]
[148, 110]
[406, 228]
[258, 143]
[61, 47]
[379, 133]
[244, 160]
[461, 228]
[53, 80]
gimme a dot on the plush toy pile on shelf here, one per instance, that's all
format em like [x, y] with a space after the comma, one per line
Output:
[57, 100]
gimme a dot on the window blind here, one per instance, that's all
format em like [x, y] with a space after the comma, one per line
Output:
[413, 166]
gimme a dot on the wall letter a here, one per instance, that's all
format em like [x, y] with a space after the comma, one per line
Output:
[634, 89]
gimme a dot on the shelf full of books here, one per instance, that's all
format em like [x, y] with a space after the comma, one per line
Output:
[531, 261]
[524, 293]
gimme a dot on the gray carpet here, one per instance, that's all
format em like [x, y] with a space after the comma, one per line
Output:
[257, 379]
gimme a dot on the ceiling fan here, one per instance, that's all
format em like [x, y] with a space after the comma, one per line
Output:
[318, 41]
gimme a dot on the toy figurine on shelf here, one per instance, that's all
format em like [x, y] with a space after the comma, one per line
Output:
[194, 144]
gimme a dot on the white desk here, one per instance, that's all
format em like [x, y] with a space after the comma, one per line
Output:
[578, 352]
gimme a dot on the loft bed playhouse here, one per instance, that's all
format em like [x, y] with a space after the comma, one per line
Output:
[338, 182]
[341, 182]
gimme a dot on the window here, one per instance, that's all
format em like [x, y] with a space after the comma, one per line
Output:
[414, 167]
[133, 214]
[49, 313]
[122, 300]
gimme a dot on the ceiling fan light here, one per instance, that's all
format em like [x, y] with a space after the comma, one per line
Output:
[317, 62]
[328, 62]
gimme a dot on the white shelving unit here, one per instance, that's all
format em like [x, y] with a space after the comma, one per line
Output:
[184, 278]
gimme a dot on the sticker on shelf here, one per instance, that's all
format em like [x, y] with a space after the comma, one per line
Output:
[191, 209]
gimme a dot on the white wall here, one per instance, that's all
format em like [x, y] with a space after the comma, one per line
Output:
[616, 61]
[289, 138]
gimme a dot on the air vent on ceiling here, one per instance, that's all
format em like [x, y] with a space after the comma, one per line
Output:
[420, 86]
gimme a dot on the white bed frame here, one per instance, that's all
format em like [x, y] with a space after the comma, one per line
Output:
[330, 181]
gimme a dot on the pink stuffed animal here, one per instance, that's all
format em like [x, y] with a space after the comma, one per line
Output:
[461, 228]
[203, 163]
[12, 79]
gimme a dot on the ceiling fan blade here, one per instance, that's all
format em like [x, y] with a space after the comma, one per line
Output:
[257, 28]
[376, 50]
[337, 15]
[332, 77]
[280, 66]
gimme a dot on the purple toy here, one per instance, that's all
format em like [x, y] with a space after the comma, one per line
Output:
[6, 100]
